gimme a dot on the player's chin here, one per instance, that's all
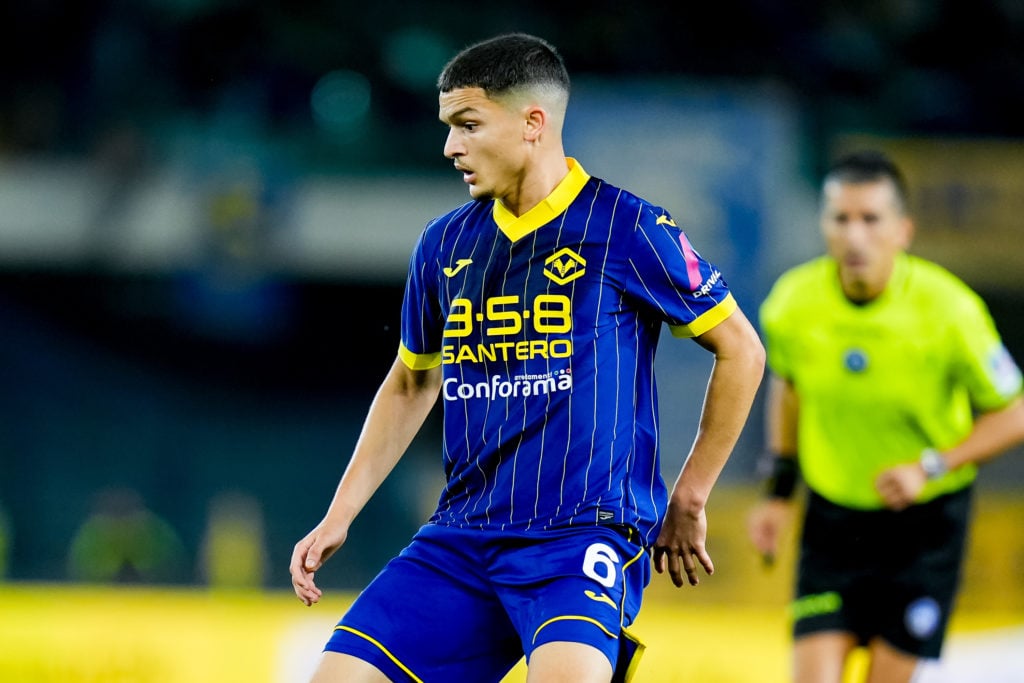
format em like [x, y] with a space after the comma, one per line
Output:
[480, 194]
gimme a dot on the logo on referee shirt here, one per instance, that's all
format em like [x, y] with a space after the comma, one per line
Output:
[564, 266]
[855, 360]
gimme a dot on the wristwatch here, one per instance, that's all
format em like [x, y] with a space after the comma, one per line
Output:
[933, 464]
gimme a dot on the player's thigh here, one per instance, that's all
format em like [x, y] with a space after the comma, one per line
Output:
[431, 615]
[565, 662]
[579, 586]
[821, 657]
[337, 667]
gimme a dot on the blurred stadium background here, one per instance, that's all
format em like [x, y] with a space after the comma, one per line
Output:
[206, 209]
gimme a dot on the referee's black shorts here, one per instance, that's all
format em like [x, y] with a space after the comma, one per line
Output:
[880, 572]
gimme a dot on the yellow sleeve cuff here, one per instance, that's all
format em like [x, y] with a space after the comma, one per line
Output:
[706, 320]
[418, 361]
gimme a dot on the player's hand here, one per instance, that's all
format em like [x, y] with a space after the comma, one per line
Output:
[680, 546]
[766, 524]
[900, 486]
[308, 556]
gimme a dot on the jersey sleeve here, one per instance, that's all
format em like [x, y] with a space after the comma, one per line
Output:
[422, 319]
[983, 364]
[670, 276]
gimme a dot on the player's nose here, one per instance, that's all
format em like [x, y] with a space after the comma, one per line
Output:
[452, 147]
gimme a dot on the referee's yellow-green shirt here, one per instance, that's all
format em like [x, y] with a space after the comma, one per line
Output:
[879, 382]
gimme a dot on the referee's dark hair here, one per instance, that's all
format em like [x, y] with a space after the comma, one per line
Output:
[869, 166]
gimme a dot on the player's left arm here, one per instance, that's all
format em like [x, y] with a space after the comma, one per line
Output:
[735, 377]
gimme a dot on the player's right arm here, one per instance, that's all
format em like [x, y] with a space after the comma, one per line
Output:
[403, 401]
[772, 515]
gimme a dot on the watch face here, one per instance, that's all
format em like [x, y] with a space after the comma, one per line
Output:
[933, 464]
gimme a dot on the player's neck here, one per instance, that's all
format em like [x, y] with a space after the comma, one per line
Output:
[537, 182]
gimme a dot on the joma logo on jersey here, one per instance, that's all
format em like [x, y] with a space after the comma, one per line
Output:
[459, 265]
[564, 266]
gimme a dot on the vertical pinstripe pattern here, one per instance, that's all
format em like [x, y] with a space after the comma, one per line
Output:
[547, 327]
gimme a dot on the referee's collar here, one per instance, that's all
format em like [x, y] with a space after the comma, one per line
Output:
[517, 227]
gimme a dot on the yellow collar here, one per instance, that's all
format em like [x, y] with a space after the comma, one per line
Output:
[517, 227]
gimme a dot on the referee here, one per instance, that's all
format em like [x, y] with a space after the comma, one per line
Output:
[889, 385]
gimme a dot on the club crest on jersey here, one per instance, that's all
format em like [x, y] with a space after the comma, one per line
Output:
[855, 360]
[564, 266]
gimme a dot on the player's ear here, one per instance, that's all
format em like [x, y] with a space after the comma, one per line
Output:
[533, 123]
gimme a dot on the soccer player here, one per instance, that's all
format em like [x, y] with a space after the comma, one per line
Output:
[888, 384]
[534, 312]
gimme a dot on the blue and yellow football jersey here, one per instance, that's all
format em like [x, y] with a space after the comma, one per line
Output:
[546, 327]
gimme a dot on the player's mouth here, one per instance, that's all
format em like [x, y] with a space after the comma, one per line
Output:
[468, 176]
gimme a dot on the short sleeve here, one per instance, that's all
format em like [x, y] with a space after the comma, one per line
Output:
[670, 277]
[422, 320]
[983, 364]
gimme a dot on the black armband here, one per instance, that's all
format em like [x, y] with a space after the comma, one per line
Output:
[781, 476]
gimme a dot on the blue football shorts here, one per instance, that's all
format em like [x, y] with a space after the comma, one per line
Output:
[465, 605]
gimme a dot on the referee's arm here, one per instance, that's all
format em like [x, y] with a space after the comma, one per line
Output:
[773, 515]
[993, 433]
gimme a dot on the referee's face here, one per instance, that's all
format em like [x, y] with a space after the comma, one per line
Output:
[865, 227]
[485, 141]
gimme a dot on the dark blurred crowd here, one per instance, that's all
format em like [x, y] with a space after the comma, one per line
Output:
[80, 76]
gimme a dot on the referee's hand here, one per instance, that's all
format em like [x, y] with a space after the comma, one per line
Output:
[767, 522]
[900, 486]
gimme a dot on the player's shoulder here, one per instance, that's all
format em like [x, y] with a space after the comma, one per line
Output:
[460, 215]
[630, 207]
[447, 226]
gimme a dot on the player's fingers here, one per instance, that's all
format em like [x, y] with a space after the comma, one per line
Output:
[676, 571]
[705, 561]
[665, 560]
[308, 596]
[690, 567]
[297, 571]
[658, 560]
[297, 566]
[313, 556]
[303, 583]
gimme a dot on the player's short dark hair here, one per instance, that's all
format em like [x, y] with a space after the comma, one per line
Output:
[504, 62]
[868, 166]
